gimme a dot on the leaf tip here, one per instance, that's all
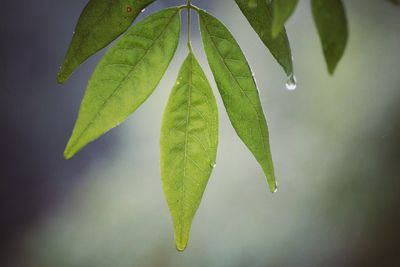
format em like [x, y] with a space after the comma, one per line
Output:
[181, 247]
[276, 29]
[61, 78]
[273, 186]
[181, 238]
[275, 33]
[67, 154]
[69, 151]
[331, 69]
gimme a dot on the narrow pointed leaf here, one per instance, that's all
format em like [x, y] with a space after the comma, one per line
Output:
[331, 22]
[238, 90]
[282, 10]
[126, 76]
[99, 24]
[259, 15]
[189, 138]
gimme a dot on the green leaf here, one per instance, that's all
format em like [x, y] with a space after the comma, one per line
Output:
[259, 15]
[331, 22]
[238, 90]
[126, 76]
[101, 22]
[189, 138]
[282, 10]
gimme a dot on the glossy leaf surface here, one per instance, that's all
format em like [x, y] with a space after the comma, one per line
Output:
[126, 76]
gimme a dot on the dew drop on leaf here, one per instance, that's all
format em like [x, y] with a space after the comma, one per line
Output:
[291, 83]
[276, 188]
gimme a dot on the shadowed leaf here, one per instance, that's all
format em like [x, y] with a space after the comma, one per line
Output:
[99, 24]
[282, 10]
[331, 22]
[259, 15]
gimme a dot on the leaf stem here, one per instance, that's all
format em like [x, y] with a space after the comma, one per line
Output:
[189, 24]
[193, 7]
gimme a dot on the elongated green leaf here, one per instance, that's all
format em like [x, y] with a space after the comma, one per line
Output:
[189, 138]
[99, 24]
[126, 76]
[259, 15]
[238, 90]
[282, 10]
[331, 22]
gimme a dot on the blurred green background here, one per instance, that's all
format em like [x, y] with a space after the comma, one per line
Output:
[335, 143]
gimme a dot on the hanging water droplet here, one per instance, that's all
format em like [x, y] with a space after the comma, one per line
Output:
[276, 187]
[291, 83]
[213, 165]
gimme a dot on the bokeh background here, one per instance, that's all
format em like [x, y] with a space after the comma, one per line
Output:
[335, 142]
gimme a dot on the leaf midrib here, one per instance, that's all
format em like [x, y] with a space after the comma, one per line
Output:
[185, 156]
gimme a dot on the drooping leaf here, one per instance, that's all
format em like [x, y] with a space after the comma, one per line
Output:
[238, 90]
[126, 76]
[259, 15]
[282, 10]
[99, 24]
[189, 138]
[331, 22]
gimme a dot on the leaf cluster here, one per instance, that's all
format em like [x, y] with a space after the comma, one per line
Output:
[132, 68]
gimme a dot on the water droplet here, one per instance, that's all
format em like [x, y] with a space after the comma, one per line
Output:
[143, 10]
[276, 187]
[213, 165]
[291, 83]
[129, 9]
[178, 83]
